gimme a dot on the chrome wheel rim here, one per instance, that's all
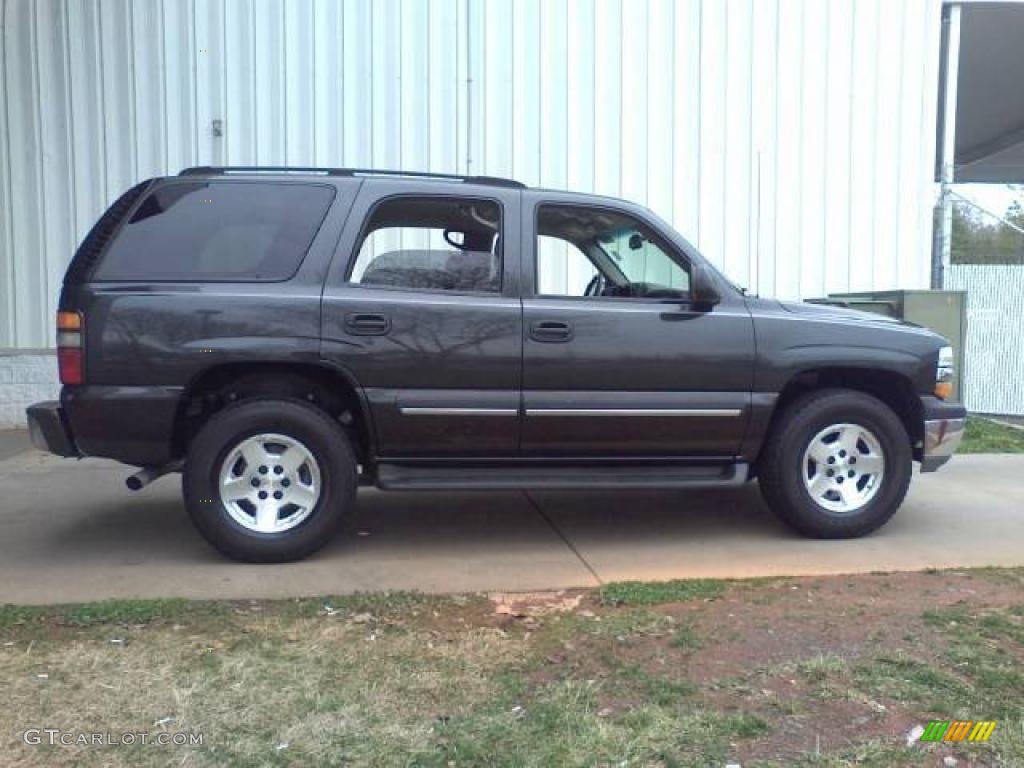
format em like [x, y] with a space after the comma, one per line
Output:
[843, 467]
[269, 483]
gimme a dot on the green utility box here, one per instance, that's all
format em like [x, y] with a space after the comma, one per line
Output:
[944, 312]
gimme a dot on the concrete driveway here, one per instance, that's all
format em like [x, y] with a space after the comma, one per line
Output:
[70, 531]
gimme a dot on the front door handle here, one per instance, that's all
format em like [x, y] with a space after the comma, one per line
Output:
[364, 324]
[550, 331]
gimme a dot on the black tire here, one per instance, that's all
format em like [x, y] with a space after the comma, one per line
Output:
[312, 427]
[781, 466]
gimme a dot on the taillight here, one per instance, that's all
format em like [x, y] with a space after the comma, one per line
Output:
[69, 347]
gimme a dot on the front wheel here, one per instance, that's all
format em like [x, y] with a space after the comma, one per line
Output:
[837, 464]
[269, 480]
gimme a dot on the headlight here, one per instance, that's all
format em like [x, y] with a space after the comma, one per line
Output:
[944, 373]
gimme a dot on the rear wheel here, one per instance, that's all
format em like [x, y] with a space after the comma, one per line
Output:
[837, 464]
[269, 480]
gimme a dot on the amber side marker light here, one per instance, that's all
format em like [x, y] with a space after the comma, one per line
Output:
[69, 347]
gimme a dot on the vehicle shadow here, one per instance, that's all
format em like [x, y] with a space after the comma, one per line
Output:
[153, 525]
[111, 543]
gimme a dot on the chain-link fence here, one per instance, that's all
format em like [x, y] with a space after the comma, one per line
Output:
[987, 261]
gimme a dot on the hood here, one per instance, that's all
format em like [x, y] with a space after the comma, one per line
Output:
[829, 312]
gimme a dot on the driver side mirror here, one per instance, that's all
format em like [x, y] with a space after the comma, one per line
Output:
[702, 287]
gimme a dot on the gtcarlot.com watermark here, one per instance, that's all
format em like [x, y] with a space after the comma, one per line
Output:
[55, 737]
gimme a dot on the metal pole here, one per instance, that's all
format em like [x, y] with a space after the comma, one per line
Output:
[469, 89]
[948, 140]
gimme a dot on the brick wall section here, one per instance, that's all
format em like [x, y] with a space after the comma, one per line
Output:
[25, 378]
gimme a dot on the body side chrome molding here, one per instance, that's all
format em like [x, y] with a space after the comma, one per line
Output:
[448, 411]
[454, 411]
[634, 411]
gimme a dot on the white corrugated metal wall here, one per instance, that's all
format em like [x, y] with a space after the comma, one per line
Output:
[792, 140]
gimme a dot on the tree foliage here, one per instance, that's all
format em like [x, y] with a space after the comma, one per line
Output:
[980, 238]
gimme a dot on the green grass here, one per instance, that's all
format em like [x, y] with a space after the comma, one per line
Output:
[375, 607]
[654, 593]
[15, 615]
[905, 677]
[821, 667]
[564, 726]
[632, 679]
[105, 612]
[686, 637]
[985, 436]
[982, 650]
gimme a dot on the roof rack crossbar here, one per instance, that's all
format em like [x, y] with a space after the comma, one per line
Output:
[209, 170]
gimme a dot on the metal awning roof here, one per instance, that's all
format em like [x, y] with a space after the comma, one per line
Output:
[989, 134]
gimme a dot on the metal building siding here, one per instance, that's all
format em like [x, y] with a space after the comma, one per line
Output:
[790, 139]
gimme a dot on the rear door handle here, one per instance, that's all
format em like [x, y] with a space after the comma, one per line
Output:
[363, 324]
[550, 331]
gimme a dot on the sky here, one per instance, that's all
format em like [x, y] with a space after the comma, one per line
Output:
[993, 197]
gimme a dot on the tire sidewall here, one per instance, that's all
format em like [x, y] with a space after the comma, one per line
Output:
[294, 419]
[807, 422]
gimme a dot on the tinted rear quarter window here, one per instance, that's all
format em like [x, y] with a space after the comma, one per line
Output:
[237, 231]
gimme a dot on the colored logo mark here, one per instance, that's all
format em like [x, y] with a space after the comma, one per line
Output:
[958, 730]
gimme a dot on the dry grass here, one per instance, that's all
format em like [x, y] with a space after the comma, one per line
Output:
[313, 683]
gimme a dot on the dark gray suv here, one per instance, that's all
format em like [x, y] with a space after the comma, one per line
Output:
[281, 335]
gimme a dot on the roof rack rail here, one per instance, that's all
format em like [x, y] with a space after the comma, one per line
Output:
[209, 170]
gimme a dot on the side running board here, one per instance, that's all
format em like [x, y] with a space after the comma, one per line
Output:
[404, 477]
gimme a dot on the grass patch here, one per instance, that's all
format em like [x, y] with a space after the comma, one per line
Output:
[108, 612]
[378, 607]
[630, 679]
[686, 638]
[985, 648]
[746, 726]
[821, 667]
[129, 611]
[902, 677]
[655, 593]
[565, 726]
[985, 436]
[875, 753]
[624, 626]
[17, 615]
[1000, 575]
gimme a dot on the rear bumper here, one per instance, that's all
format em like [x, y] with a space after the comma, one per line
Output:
[944, 425]
[134, 425]
[48, 429]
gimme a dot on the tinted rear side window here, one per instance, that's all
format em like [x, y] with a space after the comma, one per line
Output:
[218, 231]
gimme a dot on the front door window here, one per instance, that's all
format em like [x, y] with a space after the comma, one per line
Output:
[601, 253]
